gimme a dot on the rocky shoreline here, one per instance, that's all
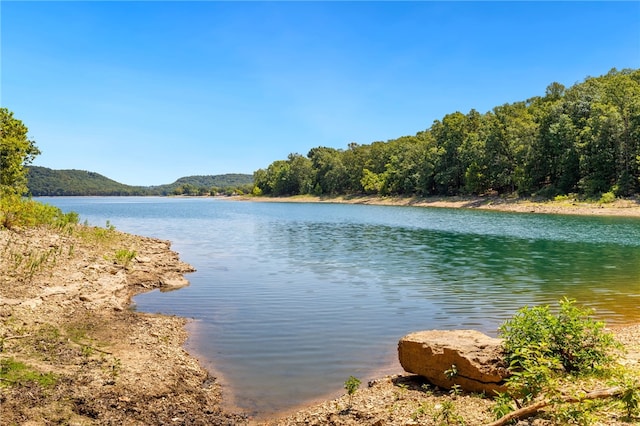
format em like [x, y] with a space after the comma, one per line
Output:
[69, 317]
[65, 313]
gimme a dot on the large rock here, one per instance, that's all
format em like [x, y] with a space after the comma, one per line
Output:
[477, 358]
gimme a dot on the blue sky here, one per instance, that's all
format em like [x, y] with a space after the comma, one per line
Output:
[146, 92]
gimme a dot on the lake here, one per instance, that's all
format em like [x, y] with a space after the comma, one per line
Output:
[290, 299]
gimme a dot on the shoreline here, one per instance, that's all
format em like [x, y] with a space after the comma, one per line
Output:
[71, 320]
[117, 365]
[620, 207]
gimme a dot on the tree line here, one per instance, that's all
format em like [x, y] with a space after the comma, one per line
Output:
[43, 181]
[583, 140]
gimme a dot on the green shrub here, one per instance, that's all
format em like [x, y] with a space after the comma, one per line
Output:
[17, 212]
[568, 197]
[124, 257]
[545, 351]
[571, 339]
[607, 197]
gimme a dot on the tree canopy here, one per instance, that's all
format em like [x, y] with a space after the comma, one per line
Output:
[584, 140]
[16, 152]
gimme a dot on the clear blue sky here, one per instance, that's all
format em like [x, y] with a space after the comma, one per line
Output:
[147, 92]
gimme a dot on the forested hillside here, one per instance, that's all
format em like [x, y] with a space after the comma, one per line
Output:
[197, 185]
[43, 181]
[584, 139]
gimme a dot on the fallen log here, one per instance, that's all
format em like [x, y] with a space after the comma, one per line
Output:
[532, 409]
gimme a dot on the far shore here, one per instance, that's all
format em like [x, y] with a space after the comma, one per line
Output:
[620, 207]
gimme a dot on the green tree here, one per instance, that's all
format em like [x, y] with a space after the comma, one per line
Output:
[16, 152]
[582, 139]
[511, 130]
[331, 175]
[449, 135]
[354, 160]
[372, 183]
[598, 149]
[301, 175]
[472, 154]
[622, 91]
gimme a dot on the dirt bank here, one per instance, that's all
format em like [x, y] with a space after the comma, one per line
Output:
[64, 315]
[73, 352]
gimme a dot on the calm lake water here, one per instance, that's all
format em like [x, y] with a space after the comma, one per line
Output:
[291, 299]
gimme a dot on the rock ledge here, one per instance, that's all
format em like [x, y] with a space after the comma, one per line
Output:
[477, 359]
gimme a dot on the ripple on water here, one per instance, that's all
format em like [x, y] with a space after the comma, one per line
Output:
[294, 298]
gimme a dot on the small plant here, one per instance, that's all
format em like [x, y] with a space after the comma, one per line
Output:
[112, 370]
[116, 367]
[452, 372]
[574, 414]
[503, 405]
[420, 411]
[352, 384]
[86, 351]
[403, 389]
[124, 257]
[446, 414]
[455, 390]
[630, 396]
[426, 388]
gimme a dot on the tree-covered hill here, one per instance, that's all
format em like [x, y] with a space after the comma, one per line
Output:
[199, 183]
[584, 140]
[43, 181]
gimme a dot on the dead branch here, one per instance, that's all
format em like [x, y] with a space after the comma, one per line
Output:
[532, 409]
[20, 336]
[93, 348]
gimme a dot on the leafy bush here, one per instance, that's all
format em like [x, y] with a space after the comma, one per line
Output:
[567, 197]
[16, 211]
[571, 339]
[124, 257]
[545, 351]
[607, 197]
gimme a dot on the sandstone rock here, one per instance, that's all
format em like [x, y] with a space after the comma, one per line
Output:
[476, 356]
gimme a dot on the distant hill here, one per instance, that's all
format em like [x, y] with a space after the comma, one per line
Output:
[43, 181]
[221, 182]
